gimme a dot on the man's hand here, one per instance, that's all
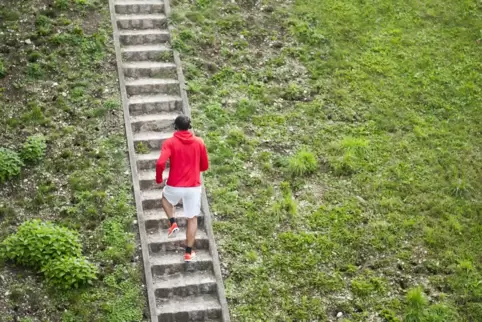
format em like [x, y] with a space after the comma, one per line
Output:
[163, 184]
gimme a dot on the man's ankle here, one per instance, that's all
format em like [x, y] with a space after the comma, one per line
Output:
[188, 250]
[172, 220]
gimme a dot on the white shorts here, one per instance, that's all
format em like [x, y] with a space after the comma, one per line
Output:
[191, 198]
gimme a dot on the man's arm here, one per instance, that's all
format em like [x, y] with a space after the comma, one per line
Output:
[161, 162]
[204, 158]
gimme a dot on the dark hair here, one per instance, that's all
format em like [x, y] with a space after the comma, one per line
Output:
[182, 123]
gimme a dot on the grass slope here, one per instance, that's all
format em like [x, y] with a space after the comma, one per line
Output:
[346, 154]
[58, 78]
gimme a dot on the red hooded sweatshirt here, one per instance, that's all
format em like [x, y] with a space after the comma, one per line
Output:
[187, 156]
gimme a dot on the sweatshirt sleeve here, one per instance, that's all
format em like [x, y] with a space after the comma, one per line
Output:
[161, 162]
[204, 158]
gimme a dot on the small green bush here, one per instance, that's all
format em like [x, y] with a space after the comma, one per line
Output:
[67, 272]
[37, 242]
[302, 163]
[10, 164]
[34, 149]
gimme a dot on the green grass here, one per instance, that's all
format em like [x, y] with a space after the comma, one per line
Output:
[386, 96]
[58, 79]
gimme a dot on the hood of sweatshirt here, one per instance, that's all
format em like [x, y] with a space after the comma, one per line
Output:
[186, 137]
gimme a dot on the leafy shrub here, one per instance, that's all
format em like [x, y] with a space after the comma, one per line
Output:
[68, 271]
[34, 149]
[10, 164]
[37, 242]
[302, 163]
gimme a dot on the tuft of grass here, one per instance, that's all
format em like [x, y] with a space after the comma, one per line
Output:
[302, 163]
[142, 148]
[165, 56]
[416, 304]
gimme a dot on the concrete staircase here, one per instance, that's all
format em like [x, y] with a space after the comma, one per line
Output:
[153, 95]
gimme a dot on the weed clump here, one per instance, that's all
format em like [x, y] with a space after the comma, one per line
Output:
[34, 149]
[416, 303]
[10, 164]
[142, 148]
[351, 156]
[302, 163]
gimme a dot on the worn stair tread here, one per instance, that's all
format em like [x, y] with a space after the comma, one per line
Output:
[161, 237]
[132, 16]
[140, 99]
[154, 155]
[155, 117]
[186, 304]
[151, 194]
[151, 175]
[138, 32]
[150, 81]
[175, 257]
[141, 48]
[148, 64]
[143, 136]
[159, 214]
[184, 279]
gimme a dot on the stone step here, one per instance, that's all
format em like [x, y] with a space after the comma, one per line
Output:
[139, 7]
[159, 242]
[153, 140]
[141, 22]
[147, 104]
[193, 308]
[156, 220]
[141, 86]
[169, 263]
[145, 69]
[147, 180]
[160, 53]
[143, 37]
[185, 284]
[147, 161]
[151, 199]
[153, 122]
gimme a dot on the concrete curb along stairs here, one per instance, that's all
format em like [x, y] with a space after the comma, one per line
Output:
[153, 94]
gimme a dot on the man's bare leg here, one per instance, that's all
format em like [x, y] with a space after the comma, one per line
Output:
[191, 231]
[169, 210]
[190, 238]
